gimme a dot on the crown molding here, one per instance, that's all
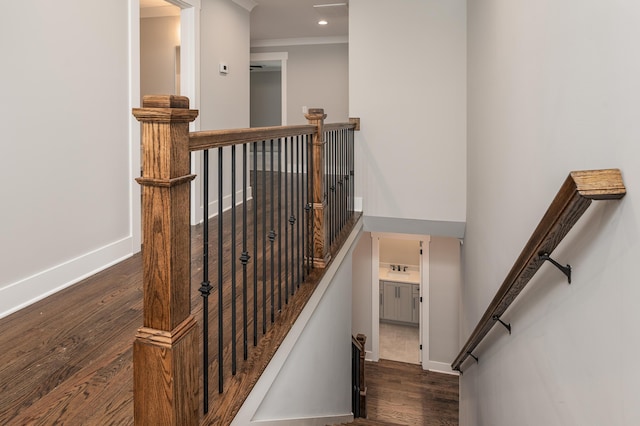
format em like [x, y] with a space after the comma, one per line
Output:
[247, 4]
[302, 41]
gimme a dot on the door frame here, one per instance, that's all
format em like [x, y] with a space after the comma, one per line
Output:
[190, 87]
[282, 57]
[424, 293]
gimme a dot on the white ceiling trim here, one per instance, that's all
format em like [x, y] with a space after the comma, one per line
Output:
[247, 4]
[302, 41]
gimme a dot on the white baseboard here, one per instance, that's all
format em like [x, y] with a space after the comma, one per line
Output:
[310, 421]
[441, 367]
[27, 291]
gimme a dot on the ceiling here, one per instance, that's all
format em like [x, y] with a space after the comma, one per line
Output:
[278, 19]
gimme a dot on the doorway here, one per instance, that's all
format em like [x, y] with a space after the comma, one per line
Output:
[400, 312]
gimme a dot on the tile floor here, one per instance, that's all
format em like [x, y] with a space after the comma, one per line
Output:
[399, 342]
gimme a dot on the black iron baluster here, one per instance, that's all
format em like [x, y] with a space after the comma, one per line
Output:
[301, 222]
[286, 228]
[299, 218]
[292, 218]
[233, 261]
[310, 206]
[264, 240]
[255, 194]
[272, 233]
[205, 287]
[244, 257]
[280, 210]
[220, 265]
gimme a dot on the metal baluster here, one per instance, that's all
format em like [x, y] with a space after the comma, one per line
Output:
[244, 257]
[300, 218]
[286, 228]
[309, 203]
[220, 265]
[233, 261]
[280, 210]
[205, 288]
[255, 194]
[264, 240]
[352, 180]
[292, 219]
[272, 233]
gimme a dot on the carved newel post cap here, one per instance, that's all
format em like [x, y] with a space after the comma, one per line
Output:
[165, 101]
[315, 114]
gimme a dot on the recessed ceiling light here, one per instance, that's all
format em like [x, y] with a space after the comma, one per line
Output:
[322, 22]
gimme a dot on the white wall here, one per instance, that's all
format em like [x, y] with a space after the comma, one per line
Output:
[553, 87]
[407, 63]
[224, 37]
[444, 300]
[317, 77]
[65, 145]
[158, 40]
[400, 252]
[224, 98]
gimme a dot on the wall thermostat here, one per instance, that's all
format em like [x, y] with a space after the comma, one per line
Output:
[223, 68]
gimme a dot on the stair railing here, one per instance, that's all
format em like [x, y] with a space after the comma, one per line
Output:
[166, 389]
[572, 200]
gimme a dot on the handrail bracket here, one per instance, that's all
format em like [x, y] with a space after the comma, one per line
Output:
[564, 269]
[507, 326]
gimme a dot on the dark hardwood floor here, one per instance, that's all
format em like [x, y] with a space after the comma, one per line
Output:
[68, 358]
[404, 394]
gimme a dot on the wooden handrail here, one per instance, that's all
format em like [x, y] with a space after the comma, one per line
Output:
[217, 138]
[571, 201]
[209, 139]
[338, 126]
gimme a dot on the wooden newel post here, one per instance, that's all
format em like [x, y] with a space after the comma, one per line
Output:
[165, 350]
[320, 247]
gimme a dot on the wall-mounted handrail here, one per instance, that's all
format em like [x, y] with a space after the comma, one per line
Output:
[571, 201]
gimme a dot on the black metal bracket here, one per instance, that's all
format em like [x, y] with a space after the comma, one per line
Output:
[473, 356]
[507, 326]
[564, 269]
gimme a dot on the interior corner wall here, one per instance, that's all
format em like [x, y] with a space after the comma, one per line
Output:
[552, 88]
[444, 300]
[159, 38]
[361, 319]
[65, 163]
[317, 77]
[407, 83]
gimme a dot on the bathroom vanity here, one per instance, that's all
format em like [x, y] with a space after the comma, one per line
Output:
[400, 295]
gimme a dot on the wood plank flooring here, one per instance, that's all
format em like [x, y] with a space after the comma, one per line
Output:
[404, 394]
[68, 358]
